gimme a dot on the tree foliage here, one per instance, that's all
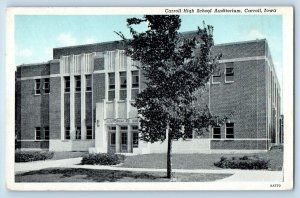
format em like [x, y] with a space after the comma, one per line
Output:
[176, 68]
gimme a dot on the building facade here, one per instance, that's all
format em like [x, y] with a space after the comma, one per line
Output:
[81, 101]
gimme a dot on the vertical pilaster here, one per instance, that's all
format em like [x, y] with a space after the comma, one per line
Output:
[72, 98]
[129, 139]
[117, 74]
[62, 97]
[84, 64]
[118, 139]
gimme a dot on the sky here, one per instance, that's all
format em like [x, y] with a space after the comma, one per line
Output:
[37, 35]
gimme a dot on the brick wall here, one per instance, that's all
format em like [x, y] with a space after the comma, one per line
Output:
[55, 108]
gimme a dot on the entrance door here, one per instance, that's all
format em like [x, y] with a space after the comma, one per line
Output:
[124, 142]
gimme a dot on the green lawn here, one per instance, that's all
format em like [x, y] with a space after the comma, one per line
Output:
[67, 155]
[197, 161]
[89, 175]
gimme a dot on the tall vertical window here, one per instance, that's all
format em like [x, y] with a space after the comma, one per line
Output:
[77, 83]
[89, 132]
[135, 84]
[67, 84]
[216, 77]
[229, 130]
[112, 132]
[124, 139]
[123, 85]
[229, 72]
[67, 133]
[78, 133]
[111, 86]
[37, 86]
[37, 133]
[88, 82]
[135, 136]
[216, 133]
[46, 132]
[46, 85]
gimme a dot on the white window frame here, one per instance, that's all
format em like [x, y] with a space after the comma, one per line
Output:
[226, 130]
[228, 81]
[213, 133]
[35, 131]
[35, 86]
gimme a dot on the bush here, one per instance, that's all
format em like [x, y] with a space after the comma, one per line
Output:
[29, 156]
[102, 159]
[245, 162]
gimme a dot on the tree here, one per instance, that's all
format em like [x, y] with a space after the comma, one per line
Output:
[176, 68]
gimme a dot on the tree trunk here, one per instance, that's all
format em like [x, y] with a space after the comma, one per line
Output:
[169, 154]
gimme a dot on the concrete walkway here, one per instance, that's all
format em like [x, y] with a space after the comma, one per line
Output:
[238, 175]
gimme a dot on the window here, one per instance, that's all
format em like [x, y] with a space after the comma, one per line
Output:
[37, 133]
[135, 79]
[111, 86]
[229, 130]
[112, 131]
[229, 72]
[67, 133]
[78, 133]
[88, 82]
[135, 136]
[113, 139]
[124, 139]
[89, 132]
[216, 77]
[123, 84]
[216, 133]
[37, 87]
[46, 131]
[135, 84]
[46, 85]
[77, 83]
[67, 84]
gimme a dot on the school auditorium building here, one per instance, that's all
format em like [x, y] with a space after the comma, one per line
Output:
[81, 101]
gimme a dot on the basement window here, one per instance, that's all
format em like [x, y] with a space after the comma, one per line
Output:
[37, 133]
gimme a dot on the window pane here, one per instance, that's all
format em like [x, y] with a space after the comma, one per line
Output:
[89, 132]
[111, 95]
[37, 86]
[67, 133]
[46, 129]
[135, 79]
[112, 139]
[134, 93]
[229, 72]
[67, 84]
[135, 139]
[77, 83]
[111, 80]
[37, 133]
[217, 132]
[229, 130]
[123, 94]
[124, 138]
[122, 80]
[88, 82]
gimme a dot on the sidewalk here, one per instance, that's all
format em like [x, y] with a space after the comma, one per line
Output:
[238, 175]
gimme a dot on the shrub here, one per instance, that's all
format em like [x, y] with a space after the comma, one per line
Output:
[245, 162]
[102, 159]
[29, 156]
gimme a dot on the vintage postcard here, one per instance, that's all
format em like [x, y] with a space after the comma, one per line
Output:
[160, 98]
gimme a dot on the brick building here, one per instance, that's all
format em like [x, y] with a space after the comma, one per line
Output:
[80, 101]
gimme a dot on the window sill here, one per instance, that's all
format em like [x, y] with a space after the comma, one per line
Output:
[229, 82]
[216, 83]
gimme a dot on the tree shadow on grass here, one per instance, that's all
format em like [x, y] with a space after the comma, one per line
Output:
[92, 175]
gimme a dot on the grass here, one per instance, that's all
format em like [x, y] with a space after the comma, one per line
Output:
[197, 161]
[67, 155]
[88, 175]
